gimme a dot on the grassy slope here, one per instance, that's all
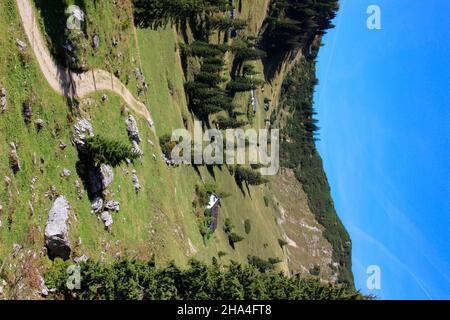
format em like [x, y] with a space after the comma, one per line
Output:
[160, 218]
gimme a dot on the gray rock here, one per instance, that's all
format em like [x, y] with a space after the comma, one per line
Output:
[39, 123]
[81, 259]
[62, 145]
[65, 173]
[79, 188]
[107, 175]
[43, 288]
[112, 205]
[57, 229]
[135, 180]
[133, 131]
[97, 204]
[136, 149]
[137, 73]
[82, 130]
[96, 42]
[107, 219]
[16, 249]
[14, 158]
[22, 45]
[3, 100]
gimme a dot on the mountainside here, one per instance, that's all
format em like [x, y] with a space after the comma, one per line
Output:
[89, 146]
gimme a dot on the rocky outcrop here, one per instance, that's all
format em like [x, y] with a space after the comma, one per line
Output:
[97, 204]
[83, 130]
[57, 229]
[133, 131]
[112, 205]
[106, 175]
[136, 149]
[107, 219]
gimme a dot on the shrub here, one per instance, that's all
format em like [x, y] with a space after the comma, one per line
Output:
[282, 242]
[249, 176]
[228, 226]
[140, 280]
[112, 152]
[247, 226]
[234, 238]
[261, 264]
[266, 201]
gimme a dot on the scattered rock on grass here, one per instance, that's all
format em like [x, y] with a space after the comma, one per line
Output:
[81, 259]
[22, 45]
[96, 42]
[107, 175]
[3, 99]
[97, 204]
[83, 130]
[133, 131]
[39, 124]
[65, 173]
[16, 249]
[14, 158]
[62, 145]
[107, 219]
[112, 205]
[135, 180]
[57, 229]
[136, 149]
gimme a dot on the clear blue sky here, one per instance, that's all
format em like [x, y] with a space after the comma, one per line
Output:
[384, 112]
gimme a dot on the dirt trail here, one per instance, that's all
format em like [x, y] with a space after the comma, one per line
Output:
[69, 83]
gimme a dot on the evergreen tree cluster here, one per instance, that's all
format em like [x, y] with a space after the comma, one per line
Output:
[160, 13]
[295, 23]
[137, 280]
[249, 176]
[112, 152]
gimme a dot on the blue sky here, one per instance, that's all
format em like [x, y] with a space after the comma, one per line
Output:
[384, 112]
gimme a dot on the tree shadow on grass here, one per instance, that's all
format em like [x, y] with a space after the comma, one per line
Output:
[54, 21]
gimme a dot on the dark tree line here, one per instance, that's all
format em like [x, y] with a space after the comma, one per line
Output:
[138, 280]
[294, 23]
[160, 13]
[298, 152]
